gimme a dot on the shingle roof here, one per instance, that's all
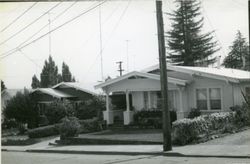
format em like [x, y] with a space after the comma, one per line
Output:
[222, 72]
[53, 92]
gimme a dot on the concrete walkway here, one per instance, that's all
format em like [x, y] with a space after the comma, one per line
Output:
[210, 149]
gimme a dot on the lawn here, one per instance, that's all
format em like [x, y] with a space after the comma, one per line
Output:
[153, 135]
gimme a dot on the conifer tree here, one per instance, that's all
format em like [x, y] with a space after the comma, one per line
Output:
[3, 87]
[49, 75]
[187, 45]
[35, 82]
[66, 74]
[238, 56]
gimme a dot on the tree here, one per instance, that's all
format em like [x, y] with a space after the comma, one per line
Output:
[238, 56]
[35, 82]
[3, 87]
[66, 74]
[186, 43]
[49, 75]
[23, 109]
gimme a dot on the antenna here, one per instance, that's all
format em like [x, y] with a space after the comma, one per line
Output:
[120, 67]
[127, 55]
[49, 34]
[100, 31]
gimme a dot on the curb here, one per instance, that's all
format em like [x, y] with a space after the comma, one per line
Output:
[170, 154]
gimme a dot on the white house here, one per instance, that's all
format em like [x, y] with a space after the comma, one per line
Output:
[208, 89]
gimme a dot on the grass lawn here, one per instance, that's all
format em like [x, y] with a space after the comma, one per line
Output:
[154, 135]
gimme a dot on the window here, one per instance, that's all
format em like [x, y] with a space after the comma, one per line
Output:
[208, 98]
[215, 98]
[201, 97]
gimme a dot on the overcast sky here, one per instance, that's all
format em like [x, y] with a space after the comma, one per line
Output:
[78, 43]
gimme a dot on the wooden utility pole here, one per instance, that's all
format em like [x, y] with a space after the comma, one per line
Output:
[120, 67]
[167, 145]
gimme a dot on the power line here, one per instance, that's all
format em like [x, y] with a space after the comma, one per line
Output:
[11, 23]
[210, 23]
[27, 26]
[56, 17]
[56, 28]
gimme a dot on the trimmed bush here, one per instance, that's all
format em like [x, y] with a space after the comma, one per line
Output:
[43, 131]
[188, 130]
[70, 127]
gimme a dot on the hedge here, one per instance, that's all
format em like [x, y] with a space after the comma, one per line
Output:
[86, 126]
[44, 131]
[186, 130]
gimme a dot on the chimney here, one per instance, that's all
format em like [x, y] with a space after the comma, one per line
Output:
[218, 61]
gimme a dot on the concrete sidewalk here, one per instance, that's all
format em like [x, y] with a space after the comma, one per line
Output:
[229, 151]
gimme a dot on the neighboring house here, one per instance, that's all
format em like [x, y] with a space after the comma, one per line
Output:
[208, 89]
[72, 91]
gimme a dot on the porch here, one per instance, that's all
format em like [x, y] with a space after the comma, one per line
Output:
[144, 89]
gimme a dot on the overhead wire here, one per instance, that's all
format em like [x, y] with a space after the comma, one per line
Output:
[18, 17]
[27, 26]
[53, 30]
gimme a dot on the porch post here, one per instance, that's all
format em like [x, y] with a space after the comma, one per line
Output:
[127, 101]
[108, 114]
[128, 115]
[180, 113]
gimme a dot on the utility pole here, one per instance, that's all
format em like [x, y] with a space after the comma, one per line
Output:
[120, 67]
[167, 145]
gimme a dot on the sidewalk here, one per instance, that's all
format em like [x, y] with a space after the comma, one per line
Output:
[233, 146]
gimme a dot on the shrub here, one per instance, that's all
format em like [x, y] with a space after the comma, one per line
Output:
[23, 109]
[188, 130]
[90, 125]
[194, 113]
[43, 131]
[152, 118]
[57, 110]
[70, 127]
[91, 108]
[242, 117]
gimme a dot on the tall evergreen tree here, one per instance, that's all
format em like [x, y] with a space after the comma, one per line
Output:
[188, 46]
[66, 74]
[3, 87]
[35, 82]
[49, 75]
[238, 56]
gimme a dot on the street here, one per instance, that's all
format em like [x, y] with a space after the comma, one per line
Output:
[51, 158]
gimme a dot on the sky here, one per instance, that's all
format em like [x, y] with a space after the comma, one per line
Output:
[128, 34]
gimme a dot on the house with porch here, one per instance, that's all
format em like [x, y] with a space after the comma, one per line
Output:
[208, 89]
[72, 91]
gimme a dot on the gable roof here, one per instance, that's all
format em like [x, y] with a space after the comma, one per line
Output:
[228, 74]
[78, 86]
[140, 74]
[53, 92]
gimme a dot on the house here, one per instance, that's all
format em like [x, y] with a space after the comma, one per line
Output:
[208, 89]
[72, 91]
